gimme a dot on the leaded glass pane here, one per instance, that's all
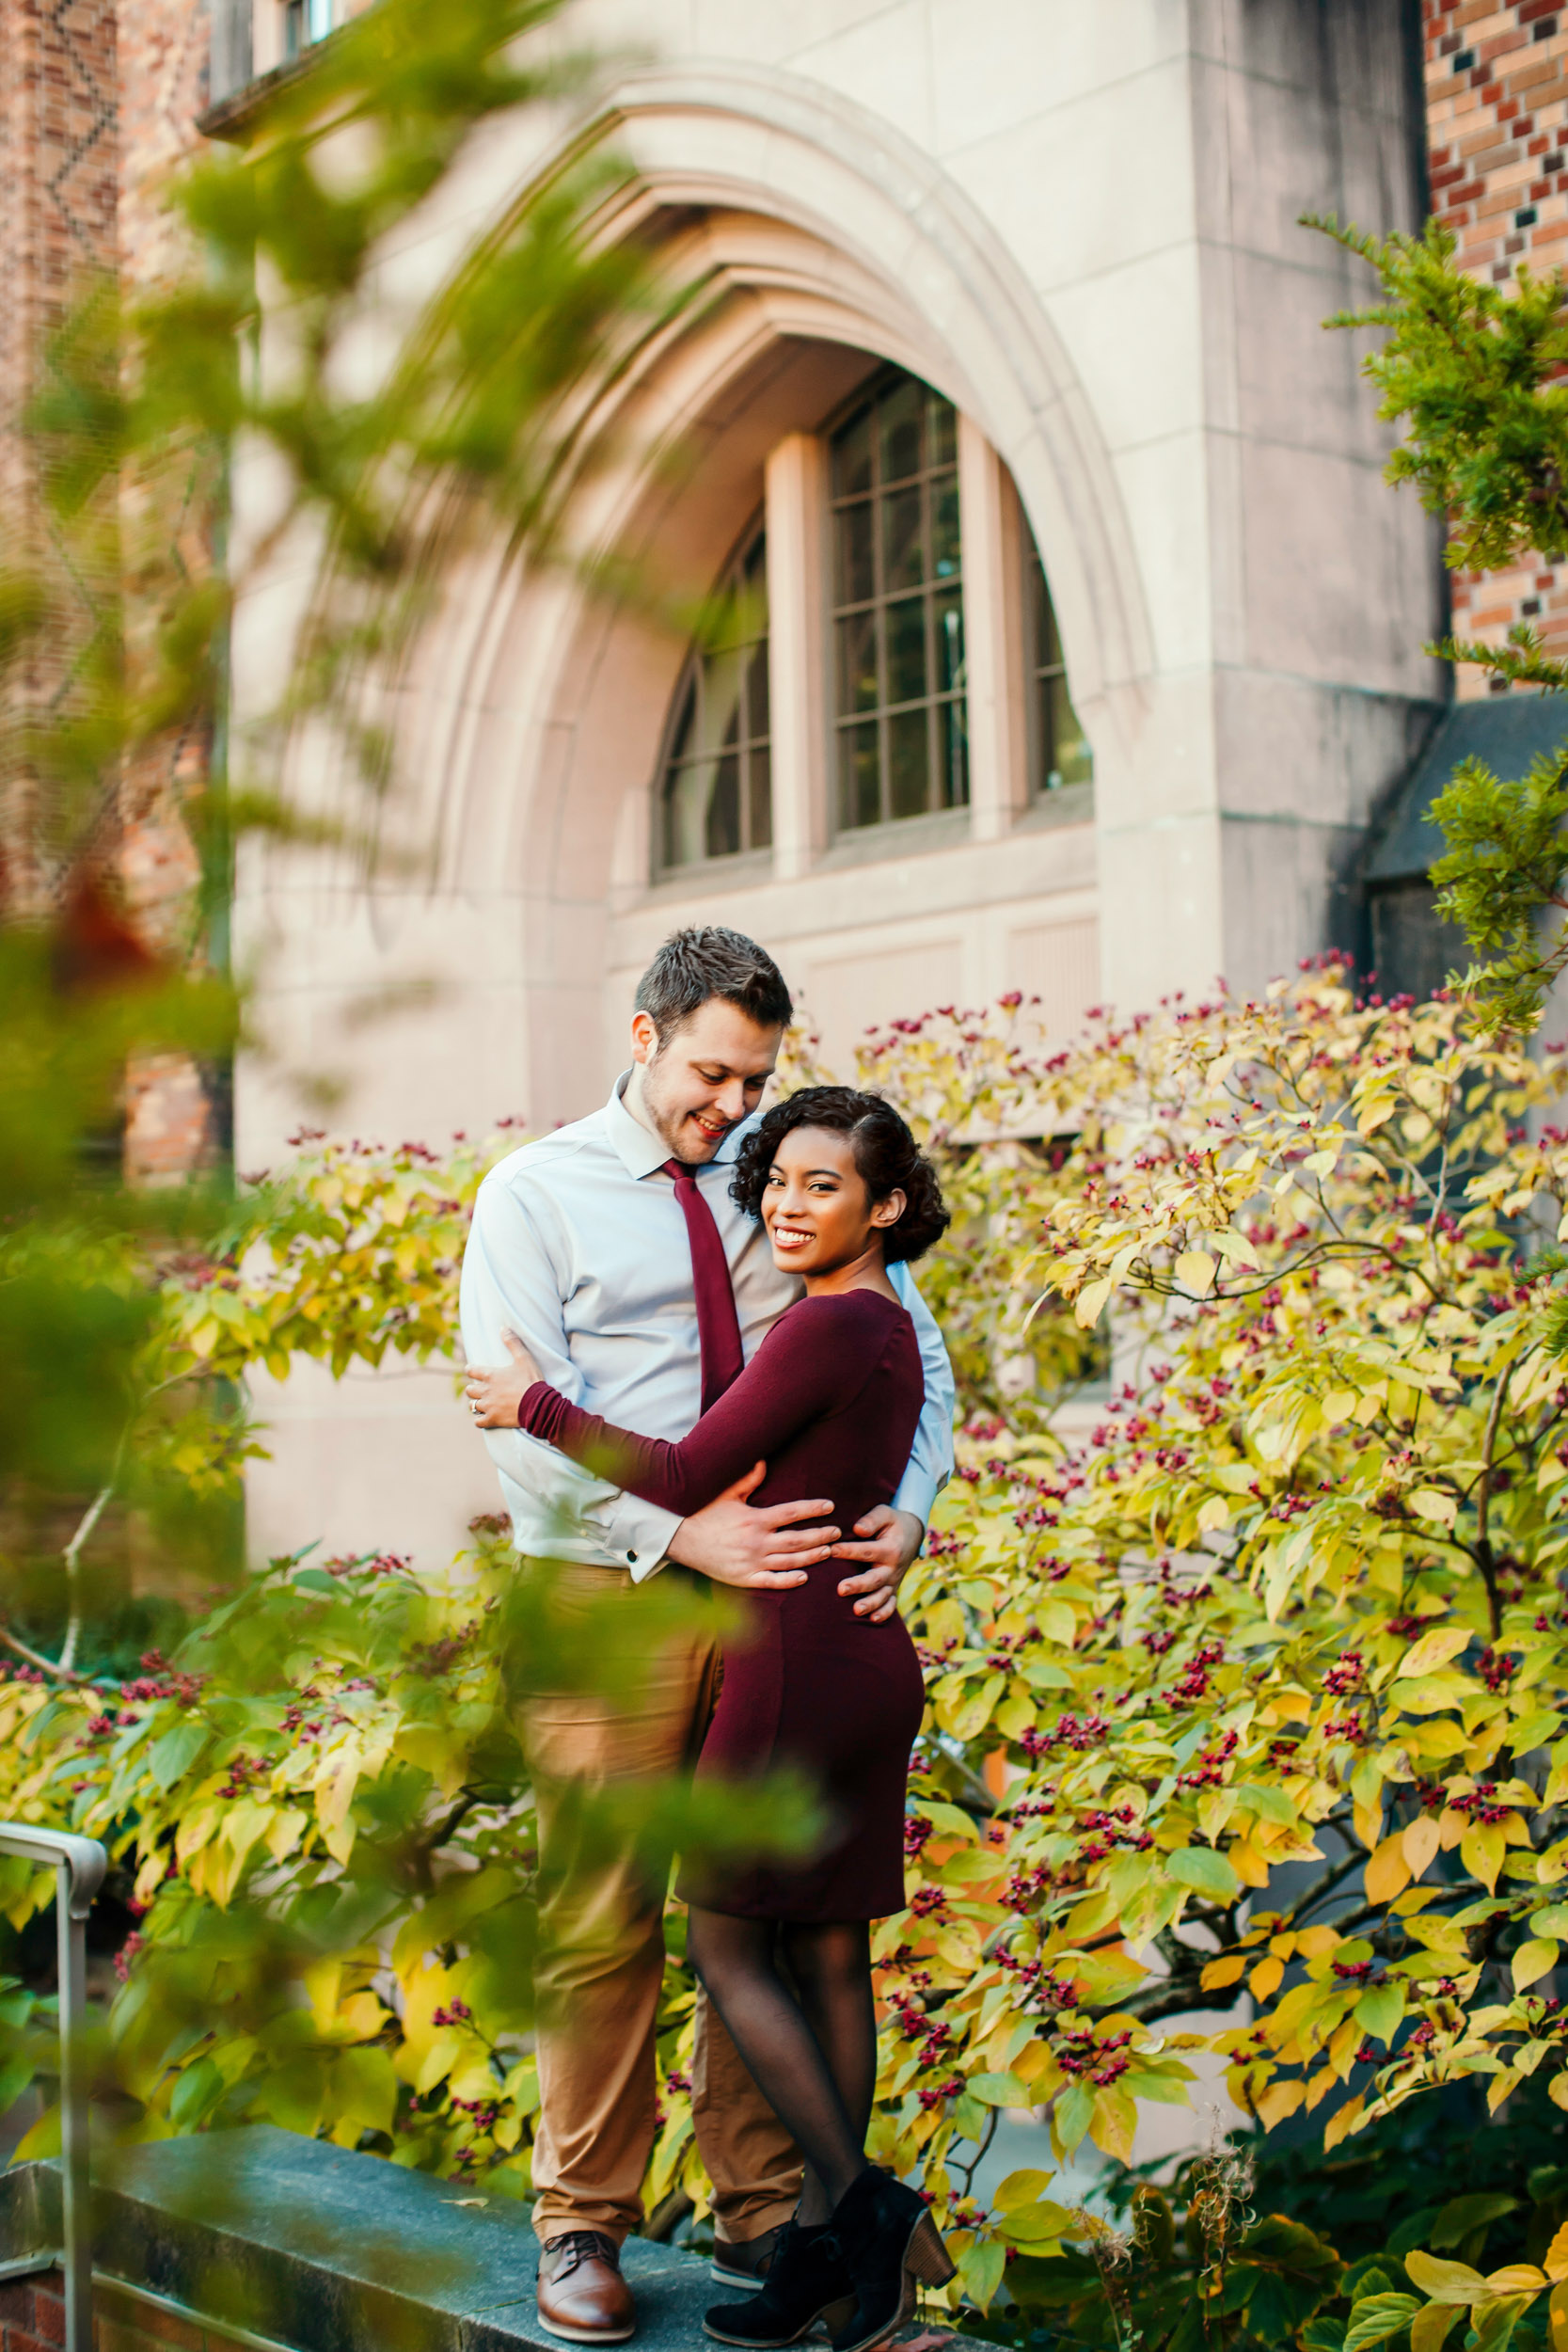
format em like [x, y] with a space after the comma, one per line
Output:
[1060, 750]
[899, 413]
[903, 542]
[950, 643]
[898, 634]
[716, 791]
[760, 796]
[860, 776]
[856, 569]
[906, 650]
[858, 685]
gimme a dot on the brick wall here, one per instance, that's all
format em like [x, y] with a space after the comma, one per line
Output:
[1498, 125]
[59, 175]
[170, 1123]
[98, 106]
[31, 2319]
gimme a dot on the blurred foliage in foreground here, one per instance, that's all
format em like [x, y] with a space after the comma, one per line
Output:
[320, 1818]
[487, 404]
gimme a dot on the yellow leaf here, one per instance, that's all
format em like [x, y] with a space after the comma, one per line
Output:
[1340, 2125]
[1482, 1849]
[1430, 1502]
[1420, 1842]
[1222, 1971]
[1319, 2087]
[1555, 2260]
[1433, 1650]
[1368, 1823]
[1533, 1960]
[1429, 2327]
[1214, 1515]
[1557, 2316]
[1515, 2278]
[1247, 1862]
[1196, 1270]
[1445, 2281]
[1556, 2090]
[1090, 1301]
[1279, 2101]
[1266, 1978]
[1387, 1873]
[1339, 1404]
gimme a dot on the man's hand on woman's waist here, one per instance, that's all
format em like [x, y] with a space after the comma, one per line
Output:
[761, 1551]
[890, 1540]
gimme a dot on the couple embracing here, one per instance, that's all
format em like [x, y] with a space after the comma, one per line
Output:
[721, 1369]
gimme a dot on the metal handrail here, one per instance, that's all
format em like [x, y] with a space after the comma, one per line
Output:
[79, 1864]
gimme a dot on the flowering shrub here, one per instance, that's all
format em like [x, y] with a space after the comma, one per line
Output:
[1248, 1699]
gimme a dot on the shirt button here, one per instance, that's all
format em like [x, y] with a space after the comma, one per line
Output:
[632, 1557]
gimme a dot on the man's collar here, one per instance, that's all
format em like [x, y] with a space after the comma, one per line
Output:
[640, 1152]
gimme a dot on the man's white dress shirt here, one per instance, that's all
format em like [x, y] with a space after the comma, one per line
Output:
[578, 1245]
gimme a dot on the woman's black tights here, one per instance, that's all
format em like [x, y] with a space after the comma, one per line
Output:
[808, 2037]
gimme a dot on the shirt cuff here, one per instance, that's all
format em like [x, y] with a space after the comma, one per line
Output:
[640, 1534]
[917, 1494]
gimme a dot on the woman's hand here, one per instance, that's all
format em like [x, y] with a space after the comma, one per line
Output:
[494, 1397]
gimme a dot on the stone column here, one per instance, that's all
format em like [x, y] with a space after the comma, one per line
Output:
[989, 523]
[798, 652]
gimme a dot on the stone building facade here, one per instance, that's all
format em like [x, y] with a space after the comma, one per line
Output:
[1084, 648]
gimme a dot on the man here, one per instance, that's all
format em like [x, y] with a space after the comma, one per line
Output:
[640, 1290]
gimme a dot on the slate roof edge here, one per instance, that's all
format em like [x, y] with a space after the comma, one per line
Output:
[1506, 731]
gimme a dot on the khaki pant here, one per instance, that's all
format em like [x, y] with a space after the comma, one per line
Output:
[601, 1960]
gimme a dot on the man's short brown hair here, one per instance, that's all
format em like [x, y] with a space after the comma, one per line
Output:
[706, 960]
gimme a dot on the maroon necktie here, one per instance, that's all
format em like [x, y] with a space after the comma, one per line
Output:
[717, 1325]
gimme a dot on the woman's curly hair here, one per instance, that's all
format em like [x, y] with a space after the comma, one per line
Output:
[886, 1155]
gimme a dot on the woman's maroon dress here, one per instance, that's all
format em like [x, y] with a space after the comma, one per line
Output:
[830, 1401]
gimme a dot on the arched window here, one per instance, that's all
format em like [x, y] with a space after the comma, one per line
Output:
[1059, 753]
[716, 790]
[900, 724]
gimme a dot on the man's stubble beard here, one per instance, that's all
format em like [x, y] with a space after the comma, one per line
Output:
[660, 1113]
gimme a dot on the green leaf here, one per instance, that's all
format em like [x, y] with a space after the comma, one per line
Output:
[1206, 1871]
[1270, 1804]
[1380, 2010]
[197, 2092]
[981, 2270]
[1074, 2113]
[1494, 2322]
[1033, 2225]
[1461, 2215]
[1025, 2188]
[998, 2090]
[1378, 2317]
[171, 1757]
[317, 1580]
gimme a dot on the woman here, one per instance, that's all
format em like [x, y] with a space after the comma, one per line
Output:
[831, 1401]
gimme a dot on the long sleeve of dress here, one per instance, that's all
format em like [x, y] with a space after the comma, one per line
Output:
[802, 1370]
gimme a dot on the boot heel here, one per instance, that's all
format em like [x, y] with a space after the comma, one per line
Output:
[926, 2258]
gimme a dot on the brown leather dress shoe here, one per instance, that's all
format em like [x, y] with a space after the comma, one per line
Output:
[582, 2296]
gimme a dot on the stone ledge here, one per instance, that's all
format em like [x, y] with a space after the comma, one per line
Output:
[296, 2244]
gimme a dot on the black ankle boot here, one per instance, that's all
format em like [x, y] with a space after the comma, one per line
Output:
[891, 2248]
[805, 2279]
